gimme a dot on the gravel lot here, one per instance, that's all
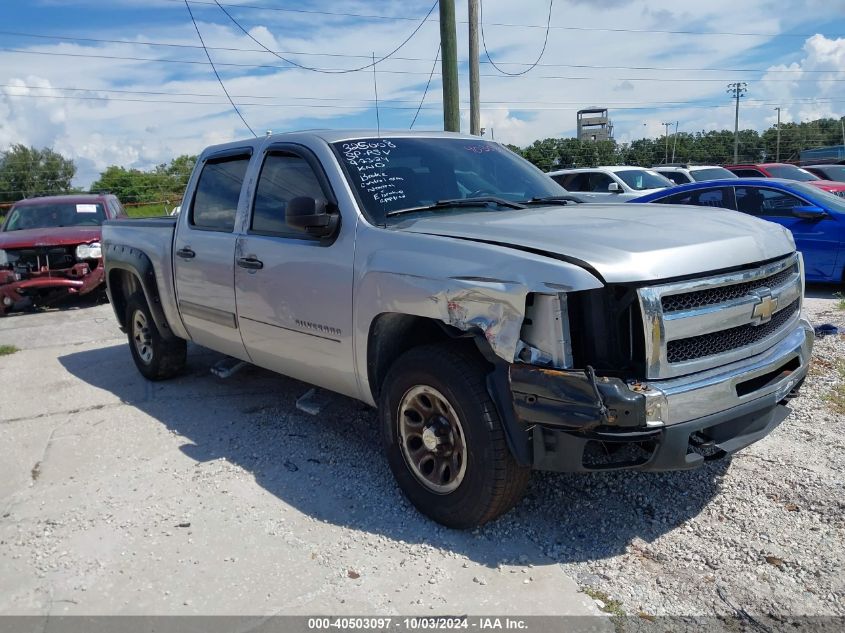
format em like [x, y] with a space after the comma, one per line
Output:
[122, 496]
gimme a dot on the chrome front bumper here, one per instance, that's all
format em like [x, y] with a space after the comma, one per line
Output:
[775, 371]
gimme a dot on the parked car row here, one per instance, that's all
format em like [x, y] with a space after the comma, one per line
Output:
[801, 200]
[814, 216]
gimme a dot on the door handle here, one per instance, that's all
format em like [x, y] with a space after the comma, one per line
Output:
[250, 263]
[186, 253]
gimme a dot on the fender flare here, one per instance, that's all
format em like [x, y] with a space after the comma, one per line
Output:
[138, 264]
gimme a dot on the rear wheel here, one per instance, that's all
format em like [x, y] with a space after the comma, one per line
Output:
[155, 357]
[444, 439]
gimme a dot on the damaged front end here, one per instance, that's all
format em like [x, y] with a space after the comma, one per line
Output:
[43, 275]
[578, 399]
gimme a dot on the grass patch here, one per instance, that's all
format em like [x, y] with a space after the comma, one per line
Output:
[5, 350]
[840, 300]
[836, 398]
[611, 606]
[149, 210]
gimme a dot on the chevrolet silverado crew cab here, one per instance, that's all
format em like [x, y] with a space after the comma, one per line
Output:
[497, 325]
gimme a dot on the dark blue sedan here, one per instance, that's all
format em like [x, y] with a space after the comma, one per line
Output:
[815, 217]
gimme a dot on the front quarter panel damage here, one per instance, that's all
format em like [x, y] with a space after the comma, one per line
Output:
[473, 287]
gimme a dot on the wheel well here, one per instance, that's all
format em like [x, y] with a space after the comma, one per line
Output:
[391, 335]
[122, 284]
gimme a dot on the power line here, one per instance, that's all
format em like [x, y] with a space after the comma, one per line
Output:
[502, 24]
[399, 72]
[216, 74]
[539, 57]
[346, 100]
[233, 49]
[324, 70]
[363, 103]
[427, 84]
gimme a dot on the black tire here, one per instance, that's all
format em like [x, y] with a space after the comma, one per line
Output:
[155, 357]
[492, 482]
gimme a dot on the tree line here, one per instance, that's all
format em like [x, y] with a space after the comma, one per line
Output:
[27, 171]
[712, 147]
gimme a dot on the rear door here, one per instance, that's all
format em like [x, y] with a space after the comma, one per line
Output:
[294, 291]
[818, 240]
[204, 254]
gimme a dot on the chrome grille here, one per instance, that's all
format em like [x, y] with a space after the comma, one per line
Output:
[718, 342]
[690, 300]
[700, 324]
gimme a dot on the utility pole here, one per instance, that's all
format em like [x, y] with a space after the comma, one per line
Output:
[737, 90]
[842, 124]
[675, 141]
[777, 147]
[666, 135]
[474, 83]
[449, 46]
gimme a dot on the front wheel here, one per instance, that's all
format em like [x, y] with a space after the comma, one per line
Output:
[155, 357]
[444, 439]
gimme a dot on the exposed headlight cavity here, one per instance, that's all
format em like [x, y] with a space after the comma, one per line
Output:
[545, 337]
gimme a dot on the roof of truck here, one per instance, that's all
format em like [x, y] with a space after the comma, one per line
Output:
[334, 136]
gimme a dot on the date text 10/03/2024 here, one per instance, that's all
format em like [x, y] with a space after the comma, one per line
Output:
[417, 623]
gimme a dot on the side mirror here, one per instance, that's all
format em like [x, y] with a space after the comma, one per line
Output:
[809, 212]
[614, 188]
[312, 216]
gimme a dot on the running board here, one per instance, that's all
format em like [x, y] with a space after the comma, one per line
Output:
[313, 401]
[227, 367]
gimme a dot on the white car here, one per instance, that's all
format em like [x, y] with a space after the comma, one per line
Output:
[624, 183]
[682, 173]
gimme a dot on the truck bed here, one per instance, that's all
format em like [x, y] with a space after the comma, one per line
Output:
[153, 237]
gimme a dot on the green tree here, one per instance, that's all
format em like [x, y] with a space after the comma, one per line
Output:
[27, 171]
[164, 183]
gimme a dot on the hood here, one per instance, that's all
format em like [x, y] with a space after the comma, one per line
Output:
[622, 242]
[52, 236]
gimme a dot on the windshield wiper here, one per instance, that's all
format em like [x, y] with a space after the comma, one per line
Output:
[553, 200]
[479, 201]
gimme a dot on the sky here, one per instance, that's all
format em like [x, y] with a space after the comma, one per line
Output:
[127, 82]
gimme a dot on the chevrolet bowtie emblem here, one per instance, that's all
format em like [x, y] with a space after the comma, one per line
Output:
[764, 309]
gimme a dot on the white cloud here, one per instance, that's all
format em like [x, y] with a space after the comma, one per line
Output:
[541, 104]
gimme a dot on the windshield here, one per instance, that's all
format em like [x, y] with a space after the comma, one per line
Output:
[833, 172]
[820, 196]
[711, 173]
[404, 173]
[51, 214]
[641, 179]
[791, 172]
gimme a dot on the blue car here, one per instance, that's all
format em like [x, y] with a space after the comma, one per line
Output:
[815, 217]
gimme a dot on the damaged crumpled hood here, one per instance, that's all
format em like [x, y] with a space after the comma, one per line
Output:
[50, 236]
[622, 242]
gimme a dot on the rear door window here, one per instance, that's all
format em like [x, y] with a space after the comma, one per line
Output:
[720, 197]
[599, 182]
[766, 202]
[577, 182]
[218, 191]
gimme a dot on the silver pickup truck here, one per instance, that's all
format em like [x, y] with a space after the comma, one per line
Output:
[497, 325]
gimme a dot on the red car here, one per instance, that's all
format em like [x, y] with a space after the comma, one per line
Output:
[789, 172]
[50, 248]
